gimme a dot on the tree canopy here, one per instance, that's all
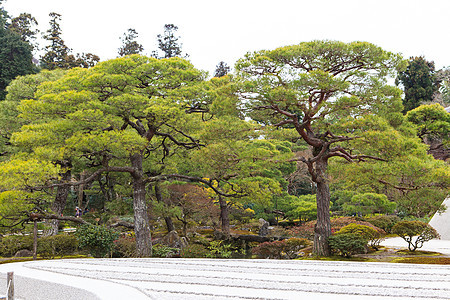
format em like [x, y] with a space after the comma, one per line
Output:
[419, 82]
[320, 90]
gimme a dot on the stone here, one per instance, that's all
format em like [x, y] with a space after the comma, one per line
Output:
[264, 229]
[173, 240]
[23, 253]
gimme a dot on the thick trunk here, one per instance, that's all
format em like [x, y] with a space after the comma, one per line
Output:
[141, 220]
[322, 229]
[59, 204]
[224, 216]
[167, 219]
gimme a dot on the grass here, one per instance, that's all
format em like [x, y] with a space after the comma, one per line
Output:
[6, 260]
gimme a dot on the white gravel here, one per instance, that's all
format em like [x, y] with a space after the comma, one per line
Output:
[225, 279]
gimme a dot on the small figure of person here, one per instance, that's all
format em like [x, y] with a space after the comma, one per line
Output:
[77, 212]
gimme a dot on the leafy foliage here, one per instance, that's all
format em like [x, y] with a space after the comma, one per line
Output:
[347, 244]
[368, 203]
[222, 69]
[385, 222]
[57, 53]
[164, 251]
[419, 82]
[368, 233]
[9, 245]
[415, 233]
[15, 58]
[168, 42]
[432, 122]
[99, 240]
[57, 245]
[129, 43]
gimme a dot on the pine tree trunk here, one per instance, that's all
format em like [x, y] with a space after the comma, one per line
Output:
[322, 229]
[141, 219]
[59, 204]
[224, 216]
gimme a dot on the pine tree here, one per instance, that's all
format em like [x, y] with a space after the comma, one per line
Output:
[168, 43]
[129, 43]
[57, 52]
[419, 82]
[222, 69]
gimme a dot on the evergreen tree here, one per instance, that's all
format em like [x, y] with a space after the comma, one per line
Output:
[329, 93]
[129, 43]
[168, 43]
[57, 52]
[15, 55]
[222, 69]
[23, 26]
[419, 82]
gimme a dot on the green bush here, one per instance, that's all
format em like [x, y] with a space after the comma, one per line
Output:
[415, 233]
[194, 251]
[347, 244]
[288, 249]
[57, 245]
[9, 245]
[160, 250]
[374, 237]
[220, 249]
[98, 240]
[385, 222]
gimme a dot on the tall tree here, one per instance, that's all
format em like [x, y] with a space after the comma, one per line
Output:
[58, 55]
[15, 55]
[419, 82]
[222, 69]
[320, 89]
[123, 115]
[129, 43]
[23, 26]
[168, 43]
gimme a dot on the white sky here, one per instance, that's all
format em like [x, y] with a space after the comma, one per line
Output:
[212, 31]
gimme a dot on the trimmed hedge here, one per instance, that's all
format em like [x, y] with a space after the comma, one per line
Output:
[347, 244]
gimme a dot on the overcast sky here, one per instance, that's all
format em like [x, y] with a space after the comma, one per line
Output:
[212, 31]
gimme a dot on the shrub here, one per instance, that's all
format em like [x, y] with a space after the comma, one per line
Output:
[384, 222]
[220, 249]
[347, 244]
[289, 249]
[269, 250]
[307, 230]
[160, 250]
[194, 251]
[415, 233]
[99, 240]
[125, 246]
[57, 245]
[374, 237]
[9, 245]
